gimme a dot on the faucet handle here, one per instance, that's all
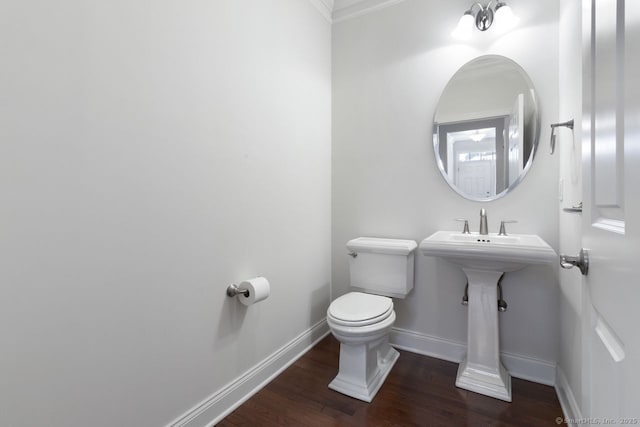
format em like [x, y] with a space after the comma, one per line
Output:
[465, 229]
[503, 230]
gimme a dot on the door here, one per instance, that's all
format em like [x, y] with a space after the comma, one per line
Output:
[516, 140]
[611, 216]
[476, 178]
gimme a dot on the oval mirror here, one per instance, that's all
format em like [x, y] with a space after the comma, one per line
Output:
[486, 128]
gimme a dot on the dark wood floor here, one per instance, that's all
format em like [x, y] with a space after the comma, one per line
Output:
[419, 391]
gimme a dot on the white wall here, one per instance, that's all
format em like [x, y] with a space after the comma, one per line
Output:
[151, 154]
[569, 151]
[389, 69]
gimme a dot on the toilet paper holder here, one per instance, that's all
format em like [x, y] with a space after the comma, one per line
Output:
[233, 291]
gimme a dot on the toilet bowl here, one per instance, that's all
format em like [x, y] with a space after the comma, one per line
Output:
[362, 320]
[366, 358]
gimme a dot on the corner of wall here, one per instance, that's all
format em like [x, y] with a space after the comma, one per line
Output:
[213, 409]
[568, 402]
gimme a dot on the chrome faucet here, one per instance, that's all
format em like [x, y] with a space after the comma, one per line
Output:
[484, 230]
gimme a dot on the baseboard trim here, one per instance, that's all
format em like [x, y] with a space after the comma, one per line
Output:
[428, 345]
[530, 368]
[220, 404]
[568, 402]
[518, 365]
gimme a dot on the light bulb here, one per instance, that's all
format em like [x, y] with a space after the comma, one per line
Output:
[465, 27]
[504, 20]
[477, 137]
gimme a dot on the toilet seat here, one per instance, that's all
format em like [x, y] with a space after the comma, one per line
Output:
[359, 309]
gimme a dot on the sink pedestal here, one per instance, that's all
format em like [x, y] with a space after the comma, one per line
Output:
[484, 258]
[481, 371]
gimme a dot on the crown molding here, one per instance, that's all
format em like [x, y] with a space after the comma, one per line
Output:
[348, 9]
[325, 7]
[342, 10]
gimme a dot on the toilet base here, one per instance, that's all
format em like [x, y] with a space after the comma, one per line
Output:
[363, 369]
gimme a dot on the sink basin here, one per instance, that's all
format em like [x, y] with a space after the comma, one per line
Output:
[484, 259]
[489, 252]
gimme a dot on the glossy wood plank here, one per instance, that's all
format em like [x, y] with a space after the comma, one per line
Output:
[420, 391]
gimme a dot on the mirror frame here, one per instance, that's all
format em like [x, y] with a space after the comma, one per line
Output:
[535, 136]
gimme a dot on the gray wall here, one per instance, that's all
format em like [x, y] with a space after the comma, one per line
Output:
[389, 69]
[151, 154]
[569, 151]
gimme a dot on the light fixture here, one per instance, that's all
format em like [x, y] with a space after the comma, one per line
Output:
[465, 27]
[483, 16]
[477, 136]
[505, 19]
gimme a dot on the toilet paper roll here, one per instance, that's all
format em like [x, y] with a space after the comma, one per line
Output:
[258, 288]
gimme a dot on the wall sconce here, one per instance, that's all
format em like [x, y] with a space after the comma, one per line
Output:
[483, 17]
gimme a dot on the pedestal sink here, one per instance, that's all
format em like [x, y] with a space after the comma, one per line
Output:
[484, 259]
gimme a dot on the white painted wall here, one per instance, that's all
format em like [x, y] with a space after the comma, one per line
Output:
[150, 155]
[569, 150]
[389, 68]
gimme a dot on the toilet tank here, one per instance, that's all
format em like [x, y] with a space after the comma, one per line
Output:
[381, 266]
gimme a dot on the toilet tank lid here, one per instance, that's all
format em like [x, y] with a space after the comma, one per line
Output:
[382, 246]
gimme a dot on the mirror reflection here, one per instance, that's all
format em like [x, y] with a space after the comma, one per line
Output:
[486, 128]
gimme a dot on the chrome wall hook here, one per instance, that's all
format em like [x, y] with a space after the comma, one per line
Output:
[567, 124]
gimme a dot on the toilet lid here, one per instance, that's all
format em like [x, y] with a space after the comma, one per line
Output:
[357, 307]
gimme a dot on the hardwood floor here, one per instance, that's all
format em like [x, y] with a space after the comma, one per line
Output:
[419, 391]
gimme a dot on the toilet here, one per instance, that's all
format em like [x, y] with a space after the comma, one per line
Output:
[380, 269]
